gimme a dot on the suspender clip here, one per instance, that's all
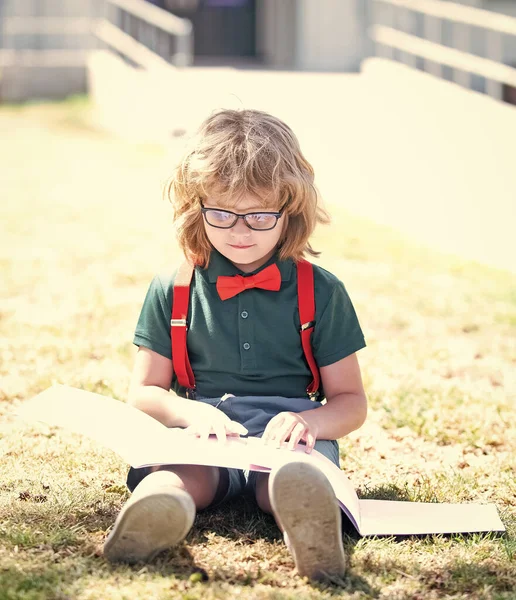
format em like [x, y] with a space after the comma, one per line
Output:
[178, 322]
[307, 325]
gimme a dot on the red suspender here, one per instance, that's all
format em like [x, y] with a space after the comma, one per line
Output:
[178, 327]
[306, 304]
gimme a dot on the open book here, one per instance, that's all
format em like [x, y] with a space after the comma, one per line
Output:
[142, 441]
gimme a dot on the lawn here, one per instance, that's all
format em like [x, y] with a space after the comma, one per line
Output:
[83, 231]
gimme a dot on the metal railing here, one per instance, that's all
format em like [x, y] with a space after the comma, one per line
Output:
[398, 34]
[45, 33]
[45, 25]
[145, 35]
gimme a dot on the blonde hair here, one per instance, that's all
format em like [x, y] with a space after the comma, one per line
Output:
[238, 152]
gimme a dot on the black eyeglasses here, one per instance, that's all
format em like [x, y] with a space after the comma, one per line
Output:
[225, 219]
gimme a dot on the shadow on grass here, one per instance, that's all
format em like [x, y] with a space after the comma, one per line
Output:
[235, 544]
[452, 576]
[34, 583]
[241, 521]
[388, 491]
[467, 578]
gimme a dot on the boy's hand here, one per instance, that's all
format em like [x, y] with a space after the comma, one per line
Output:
[209, 419]
[290, 426]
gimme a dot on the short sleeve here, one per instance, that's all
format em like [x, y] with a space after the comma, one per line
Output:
[337, 332]
[153, 327]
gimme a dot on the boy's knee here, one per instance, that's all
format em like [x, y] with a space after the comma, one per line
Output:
[199, 481]
[262, 492]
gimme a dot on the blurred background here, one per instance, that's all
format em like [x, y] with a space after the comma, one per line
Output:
[405, 107]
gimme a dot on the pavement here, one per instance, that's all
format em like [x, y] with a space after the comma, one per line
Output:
[400, 147]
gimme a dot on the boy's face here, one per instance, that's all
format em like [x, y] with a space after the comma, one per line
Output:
[246, 248]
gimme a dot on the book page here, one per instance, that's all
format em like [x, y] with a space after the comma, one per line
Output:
[390, 517]
[116, 425]
[135, 436]
[142, 441]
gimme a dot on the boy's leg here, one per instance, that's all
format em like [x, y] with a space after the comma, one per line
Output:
[161, 511]
[204, 484]
[303, 502]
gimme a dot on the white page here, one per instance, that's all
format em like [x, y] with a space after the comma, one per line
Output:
[113, 424]
[135, 436]
[388, 517]
[141, 440]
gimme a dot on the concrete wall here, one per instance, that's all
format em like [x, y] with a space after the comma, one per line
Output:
[12, 11]
[313, 35]
[51, 8]
[277, 32]
[47, 75]
[332, 34]
[42, 62]
[435, 160]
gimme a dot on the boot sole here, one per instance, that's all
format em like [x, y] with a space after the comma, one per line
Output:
[304, 502]
[149, 525]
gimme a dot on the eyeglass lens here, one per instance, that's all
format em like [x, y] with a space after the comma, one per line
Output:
[224, 219]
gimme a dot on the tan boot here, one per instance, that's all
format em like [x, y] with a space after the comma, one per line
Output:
[305, 506]
[157, 516]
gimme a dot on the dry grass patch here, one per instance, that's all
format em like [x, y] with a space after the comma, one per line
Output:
[83, 231]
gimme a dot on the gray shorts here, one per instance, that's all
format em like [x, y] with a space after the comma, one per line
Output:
[244, 481]
[253, 412]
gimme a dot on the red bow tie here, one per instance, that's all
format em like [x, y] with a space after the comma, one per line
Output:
[268, 279]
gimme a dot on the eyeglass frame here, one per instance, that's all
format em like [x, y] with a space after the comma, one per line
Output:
[278, 215]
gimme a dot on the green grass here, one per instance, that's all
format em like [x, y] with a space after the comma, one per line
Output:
[83, 231]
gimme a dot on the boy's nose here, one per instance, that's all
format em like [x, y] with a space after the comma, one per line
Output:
[240, 228]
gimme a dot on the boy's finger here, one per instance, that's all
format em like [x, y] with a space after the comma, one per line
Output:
[204, 432]
[281, 436]
[287, 429]
[310, 442]
[267, 434]
[272, 427]
[220, 431]
[237, 428]
[295, 435]
[273, 436]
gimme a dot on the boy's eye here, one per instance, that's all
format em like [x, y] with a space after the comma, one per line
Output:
[261, 218]
[221, 215]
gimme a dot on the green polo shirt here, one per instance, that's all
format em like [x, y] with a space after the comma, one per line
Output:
[250, 345]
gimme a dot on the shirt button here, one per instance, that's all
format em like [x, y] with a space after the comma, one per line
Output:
[244, 314]
[247, 345]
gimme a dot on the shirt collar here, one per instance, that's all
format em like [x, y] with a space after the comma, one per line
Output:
[220, 265]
